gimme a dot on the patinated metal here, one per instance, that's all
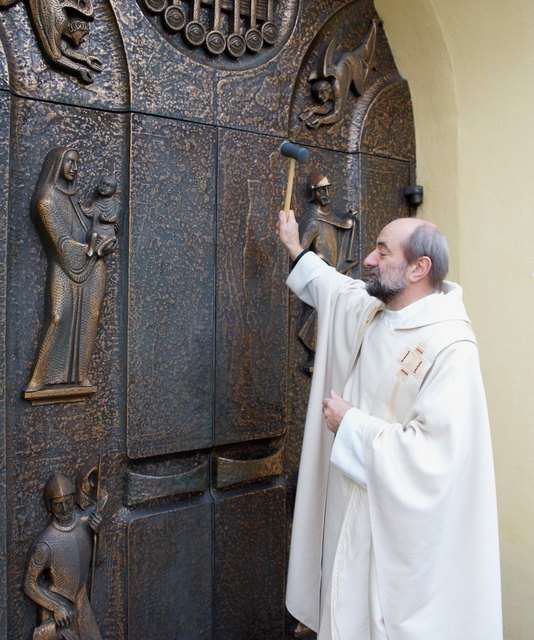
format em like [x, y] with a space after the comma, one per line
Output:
[196, 356]
[332, 79]
[101, 237]
[334, 239]
[76, 277]
[62, 28]
[59, 562]
[222, 26]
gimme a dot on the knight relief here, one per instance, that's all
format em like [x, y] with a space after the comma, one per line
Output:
[60, 560]
[76, 240]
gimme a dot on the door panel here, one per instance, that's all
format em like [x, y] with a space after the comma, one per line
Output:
[180, 568]
[251, 296]
[201, 396]
[171, 287]
[249, 552]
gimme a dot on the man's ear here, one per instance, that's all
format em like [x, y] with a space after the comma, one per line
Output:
[419, 269]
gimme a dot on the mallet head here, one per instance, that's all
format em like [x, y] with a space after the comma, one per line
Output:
[290, 150]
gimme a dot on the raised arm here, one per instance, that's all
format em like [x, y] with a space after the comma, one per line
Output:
[287, 230]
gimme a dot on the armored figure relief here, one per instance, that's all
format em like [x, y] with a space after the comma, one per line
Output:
[58, 566]
[104, 215]
[331, 81]
[75, 284]
[61, 28]
[331, 238]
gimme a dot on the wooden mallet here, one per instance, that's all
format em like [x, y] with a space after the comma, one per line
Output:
[295, 154]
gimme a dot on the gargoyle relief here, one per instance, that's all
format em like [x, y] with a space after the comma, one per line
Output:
[331, 81]
[62, 27]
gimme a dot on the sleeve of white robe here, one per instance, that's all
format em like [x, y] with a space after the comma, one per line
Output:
[340, 301]
[348, 449]
[302, 279]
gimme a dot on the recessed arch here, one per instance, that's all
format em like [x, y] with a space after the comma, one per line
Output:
[420, 47]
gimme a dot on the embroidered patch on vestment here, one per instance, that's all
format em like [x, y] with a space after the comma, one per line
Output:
[412, 362]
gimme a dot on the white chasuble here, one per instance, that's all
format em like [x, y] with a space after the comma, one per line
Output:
[395, 530]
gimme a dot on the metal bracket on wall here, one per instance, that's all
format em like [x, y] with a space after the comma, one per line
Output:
[414, 194]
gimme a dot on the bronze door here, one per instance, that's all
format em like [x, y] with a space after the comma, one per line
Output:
[200, 395]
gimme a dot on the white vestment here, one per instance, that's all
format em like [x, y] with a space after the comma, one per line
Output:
[395, 527]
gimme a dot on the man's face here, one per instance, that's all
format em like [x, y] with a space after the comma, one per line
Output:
[79, 37]
[322, 91]
[387, 265]
[63, 508]
[322, 195]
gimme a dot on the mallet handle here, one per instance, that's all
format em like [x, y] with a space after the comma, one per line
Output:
[289, 187]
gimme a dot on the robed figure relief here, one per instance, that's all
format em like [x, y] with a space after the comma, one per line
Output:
[332, 238]
[59, 563]
[76, 280]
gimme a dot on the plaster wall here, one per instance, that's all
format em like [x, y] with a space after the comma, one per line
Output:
[469, 66]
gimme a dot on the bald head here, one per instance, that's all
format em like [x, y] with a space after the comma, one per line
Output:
[426, 239]
[419, 238]
[406, 226]
[410, 260]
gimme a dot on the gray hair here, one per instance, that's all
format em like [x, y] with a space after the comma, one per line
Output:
[427, 240]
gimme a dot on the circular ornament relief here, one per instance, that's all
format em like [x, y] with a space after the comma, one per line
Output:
[225, 34]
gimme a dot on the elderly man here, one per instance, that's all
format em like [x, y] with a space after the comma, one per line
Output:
[395, 526]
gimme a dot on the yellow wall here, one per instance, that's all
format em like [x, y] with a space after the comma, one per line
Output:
[470, 67]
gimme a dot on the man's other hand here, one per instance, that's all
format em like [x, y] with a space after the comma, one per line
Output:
[334, 410]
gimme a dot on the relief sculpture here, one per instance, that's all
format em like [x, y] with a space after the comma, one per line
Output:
[62, 28]
[59, 562]
[104, 215]
[332, 239]
[332, 81]
[76, 240]
[231, 26]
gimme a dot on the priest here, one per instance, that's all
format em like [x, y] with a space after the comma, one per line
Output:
[395, 525]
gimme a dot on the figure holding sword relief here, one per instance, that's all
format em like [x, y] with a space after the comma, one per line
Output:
[62, 557]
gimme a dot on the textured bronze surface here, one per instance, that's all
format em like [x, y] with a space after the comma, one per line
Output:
[332, 79]
[249, 553]
[179, 570]
[4, 194]
[230, 471]
[332, 237]
[141, 487]
[171, 287]
[226, 30]
[62, 28]
[201, 397]
[35, 73]
[59, 562]
[76, 280]
[197, 32]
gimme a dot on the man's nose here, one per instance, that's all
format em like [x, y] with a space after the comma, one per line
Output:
[371, 261]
